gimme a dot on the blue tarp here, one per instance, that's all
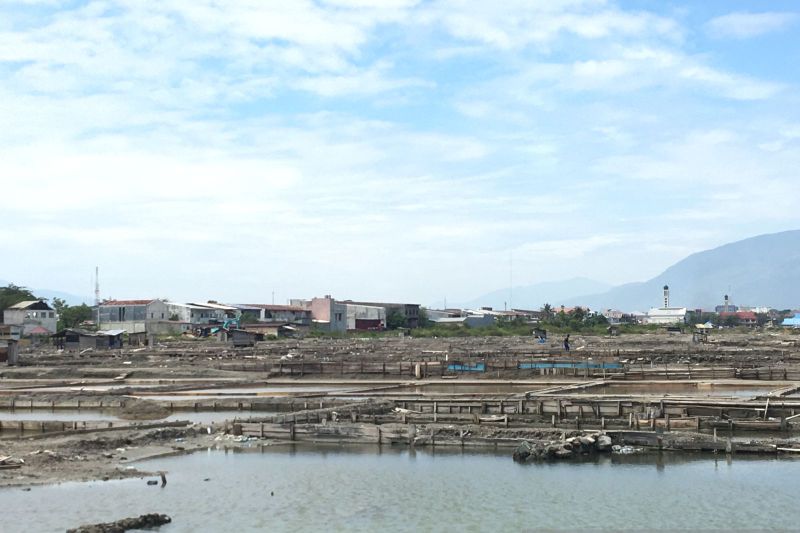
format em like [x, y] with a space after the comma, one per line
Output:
[793, 322]
[477, 367]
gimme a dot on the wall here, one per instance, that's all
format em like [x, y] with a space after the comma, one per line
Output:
[364, 312]
[28, 319]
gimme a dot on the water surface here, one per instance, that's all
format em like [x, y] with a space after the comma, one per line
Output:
[389, 489]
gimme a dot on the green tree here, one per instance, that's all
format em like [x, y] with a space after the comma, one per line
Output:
[423, 319]
[73, 316]
[14, 294]
[395, 319]
[547, 311]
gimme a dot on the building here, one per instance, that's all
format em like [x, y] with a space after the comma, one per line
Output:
[793, 322]
[326, 313]
[194, 314]
[286, 314]
[742, 318]
[365, 317]
[9, 343]
[409, 312]
[78, 340]
[666, 315]
[141, 316]
[272, 329]
[221, 311]
[30, 315]
[435, 314]
[471, 321]
[613, 316]
[242, 339]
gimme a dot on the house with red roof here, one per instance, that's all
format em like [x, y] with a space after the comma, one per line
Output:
[744, 318]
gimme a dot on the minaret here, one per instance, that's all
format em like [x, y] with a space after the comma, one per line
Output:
[666, 296]
[726, 303]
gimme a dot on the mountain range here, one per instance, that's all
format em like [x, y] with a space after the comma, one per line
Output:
[534, 296]
[49, 294]
[758, 271]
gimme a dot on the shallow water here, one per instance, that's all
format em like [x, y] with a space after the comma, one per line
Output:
[376, 489]
[80, 415]
[679, 389]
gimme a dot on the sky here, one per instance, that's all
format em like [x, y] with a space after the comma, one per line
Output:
[255, 151]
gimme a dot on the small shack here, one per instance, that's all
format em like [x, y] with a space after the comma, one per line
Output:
[110, 339]
[268, 329]
[241, 338]
[75, 340]
[700, 333]
[9, 344]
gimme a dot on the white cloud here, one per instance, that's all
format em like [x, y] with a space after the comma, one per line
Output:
[331, 145]
[519, 23]
[743, 25]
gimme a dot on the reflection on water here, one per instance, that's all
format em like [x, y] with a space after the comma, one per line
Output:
[374, 489]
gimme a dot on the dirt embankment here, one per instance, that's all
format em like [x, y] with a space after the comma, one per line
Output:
[105, 456]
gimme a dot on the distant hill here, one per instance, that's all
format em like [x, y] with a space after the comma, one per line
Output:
[70, 299]
[759, 271]
[534, 296]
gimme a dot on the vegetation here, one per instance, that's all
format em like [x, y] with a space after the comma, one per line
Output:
[14, 294]
[71, 316]
[395, 320]
[423, 319]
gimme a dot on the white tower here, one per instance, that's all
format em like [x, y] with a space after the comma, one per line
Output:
[666, 296]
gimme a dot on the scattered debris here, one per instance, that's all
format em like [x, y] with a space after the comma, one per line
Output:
[145, 521]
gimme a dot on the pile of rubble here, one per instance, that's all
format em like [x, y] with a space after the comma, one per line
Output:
[540, 450]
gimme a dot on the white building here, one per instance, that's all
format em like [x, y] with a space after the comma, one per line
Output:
[666, 315]
[31, 314]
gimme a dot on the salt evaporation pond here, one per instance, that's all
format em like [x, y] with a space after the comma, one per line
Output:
[81, 415]
[397, 489]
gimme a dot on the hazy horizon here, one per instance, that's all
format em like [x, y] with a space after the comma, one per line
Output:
[404, 152]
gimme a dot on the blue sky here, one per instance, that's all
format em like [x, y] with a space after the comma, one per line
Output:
[198, 149]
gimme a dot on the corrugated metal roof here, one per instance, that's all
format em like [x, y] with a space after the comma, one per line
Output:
[111, 332]
[24, 305]
[668, 311]
[214, 306]
[126, 302]
[275, 307]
